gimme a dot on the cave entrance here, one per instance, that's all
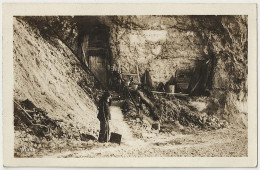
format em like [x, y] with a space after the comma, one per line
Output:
[98, 65]
[95, 50]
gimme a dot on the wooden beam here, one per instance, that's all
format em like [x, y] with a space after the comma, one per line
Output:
[137, 72]
[85, 58]
[129, 74]
[25, 112]
[94, 48]
[176, 94]
[149, 104]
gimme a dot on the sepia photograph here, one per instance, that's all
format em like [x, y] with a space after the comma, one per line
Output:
[130, 86]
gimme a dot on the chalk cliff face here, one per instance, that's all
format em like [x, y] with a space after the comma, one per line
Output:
[51, 77]
[158, 46]
[230, 52]
[163, 44]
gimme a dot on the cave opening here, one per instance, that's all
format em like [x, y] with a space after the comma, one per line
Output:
[94, 47]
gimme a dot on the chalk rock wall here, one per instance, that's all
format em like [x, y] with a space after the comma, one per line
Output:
[64, 28]
[50, 76]
[230, 50]
[162, 44]
[159, 48]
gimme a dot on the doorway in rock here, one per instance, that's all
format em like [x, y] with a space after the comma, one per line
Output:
[98, 66]
[95, 50]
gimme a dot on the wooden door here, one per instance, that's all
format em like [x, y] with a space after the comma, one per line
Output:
[98, 67]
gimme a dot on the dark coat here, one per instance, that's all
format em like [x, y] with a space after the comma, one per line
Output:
[103, 111]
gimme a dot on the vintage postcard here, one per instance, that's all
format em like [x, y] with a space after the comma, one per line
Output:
[130, 85]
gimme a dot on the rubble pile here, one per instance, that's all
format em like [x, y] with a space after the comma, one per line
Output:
[34, 129]
[129, 109]
[174, 109]
[26, 114]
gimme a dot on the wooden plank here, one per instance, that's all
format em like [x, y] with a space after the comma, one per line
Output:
[177, 94]
[158, 92]
[129, 74]
[24, 111]
[148, 103]
[85, 58]
[137, 71]
[95, 48]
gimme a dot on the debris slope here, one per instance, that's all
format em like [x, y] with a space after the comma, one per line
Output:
[49, 77]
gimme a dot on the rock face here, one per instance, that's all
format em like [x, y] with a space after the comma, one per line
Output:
[49, 75]
[229, 83]
[157, 46]
[162, 44]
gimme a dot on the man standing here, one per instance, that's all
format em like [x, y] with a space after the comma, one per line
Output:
[104, 116]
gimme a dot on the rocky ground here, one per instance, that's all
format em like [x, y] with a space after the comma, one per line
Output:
[226, 142]
[139, 140]
[221, 143]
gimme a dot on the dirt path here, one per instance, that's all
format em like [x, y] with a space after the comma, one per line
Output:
[220, 143]
[223, 142]
[118, 125]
